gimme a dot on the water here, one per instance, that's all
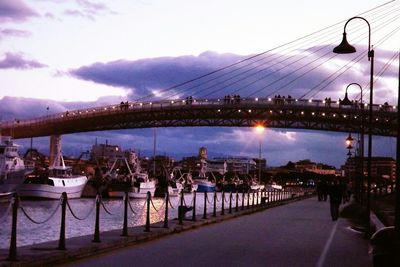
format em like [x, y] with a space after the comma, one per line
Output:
[29, 233]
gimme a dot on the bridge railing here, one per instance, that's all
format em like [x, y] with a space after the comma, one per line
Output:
[151, 105]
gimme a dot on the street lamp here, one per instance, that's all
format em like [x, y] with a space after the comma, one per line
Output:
[346, 102]
[259, 128]
[345, 48]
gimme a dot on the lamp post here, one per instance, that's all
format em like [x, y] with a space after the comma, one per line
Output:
[345, 48]
[259, 128]
[345, 102]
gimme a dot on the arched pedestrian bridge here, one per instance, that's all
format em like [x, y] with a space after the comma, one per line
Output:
[272, 113]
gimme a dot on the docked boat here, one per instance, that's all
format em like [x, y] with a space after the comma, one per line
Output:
[12, 167]
[51, 183]
[136, 183]
[201, 183]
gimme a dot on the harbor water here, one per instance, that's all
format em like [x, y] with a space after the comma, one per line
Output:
[39, 220]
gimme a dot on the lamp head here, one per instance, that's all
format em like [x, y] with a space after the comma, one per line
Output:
[345, 101]
[344, 47]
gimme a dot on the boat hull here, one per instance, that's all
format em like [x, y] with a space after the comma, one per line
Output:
[46, 191]
[133, 192]
[204, 186]
[11, 182]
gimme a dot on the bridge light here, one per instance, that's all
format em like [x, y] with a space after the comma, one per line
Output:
[365, 105]
[269, 99]
[150, 103]
[113, 107]
[94, 110]
[309, 100]
[323, 114]
[355, 117]
[313, 113]
[323, 101]
[256, 99]
[239, 110]
[280, 111]
[296, 100]
[62, 116]
[394, 107]
[344, 116]
[105, 108]
[334, 115]
[380, 106]
[131, 105]
[80, 112]
[141, 104]
[219, 110]
[337, 102]
[218, 100]
[377, 119]
[302, 113]
[249, 110]
[270, 111]
[206, 100]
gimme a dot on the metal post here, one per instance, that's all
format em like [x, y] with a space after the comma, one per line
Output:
[61, 241]
[230, 202]
[243, 199]
[237, 201]
[252, 200]
[147, 227]
[180, 210]
[166, 208]
[125, 227]
[223, 203]
[12, 256]
[96, 238]
[248, 199]
[194, 206]
[205, 206]
[215, 205]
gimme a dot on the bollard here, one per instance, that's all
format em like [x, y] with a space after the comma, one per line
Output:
[180, 210]
[230, 202]
[237, 202]
[125, 227]
[166, 208]
[205, 206]
[215, 205]
[223, 203]
[12, 255]
[147, 227]
[252, 200]
[194, 206]
[96, 238]
[61, 241]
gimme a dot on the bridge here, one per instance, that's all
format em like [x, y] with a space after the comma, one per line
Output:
[244, 112]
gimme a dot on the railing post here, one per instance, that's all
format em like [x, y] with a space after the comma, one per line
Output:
[215, 205]
[205, 206]
[61, 241]
[180, 210]
[166, 209]
[223, 203]
[125, 226]
[230, 202]
[252, 200]
[248, 199]
[243, 199]
[12, 255]
[237, 201]
[96, 237]
[194, 206]
[148, 199]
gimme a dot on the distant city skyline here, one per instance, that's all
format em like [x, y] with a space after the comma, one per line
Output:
[62, 55]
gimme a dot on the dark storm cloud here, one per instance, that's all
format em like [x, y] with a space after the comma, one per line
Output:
[17, 61]
[15, 11]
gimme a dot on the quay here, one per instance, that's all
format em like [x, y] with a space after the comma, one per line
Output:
[293, 232]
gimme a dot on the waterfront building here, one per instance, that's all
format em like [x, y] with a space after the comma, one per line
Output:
[381, 167]
[106, 152]
[238, 165]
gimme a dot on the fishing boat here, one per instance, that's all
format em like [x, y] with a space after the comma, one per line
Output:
[12, 167]
[136, 183]
[51, 183]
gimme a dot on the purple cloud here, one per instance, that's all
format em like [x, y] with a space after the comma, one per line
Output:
[4, 33]
[16, 61]
[15, 11]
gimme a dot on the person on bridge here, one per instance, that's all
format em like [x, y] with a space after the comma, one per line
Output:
[335, 198]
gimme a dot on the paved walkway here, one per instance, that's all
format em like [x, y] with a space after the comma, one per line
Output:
[297, 234]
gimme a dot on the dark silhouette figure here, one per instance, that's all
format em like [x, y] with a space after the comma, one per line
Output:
[335, 198]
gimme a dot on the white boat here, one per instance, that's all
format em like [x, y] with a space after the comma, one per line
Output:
[136, 183]
[51, 184]
[12, 167]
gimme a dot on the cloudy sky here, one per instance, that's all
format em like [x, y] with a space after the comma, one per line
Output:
[66, 54]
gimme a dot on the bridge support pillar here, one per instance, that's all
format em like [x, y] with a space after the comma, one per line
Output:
[55, 150]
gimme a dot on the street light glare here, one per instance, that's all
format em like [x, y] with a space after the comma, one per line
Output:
[260, 128]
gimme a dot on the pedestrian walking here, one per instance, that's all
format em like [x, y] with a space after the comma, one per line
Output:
[335, 192]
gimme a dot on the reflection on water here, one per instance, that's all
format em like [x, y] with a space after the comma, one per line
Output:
[29, 232]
